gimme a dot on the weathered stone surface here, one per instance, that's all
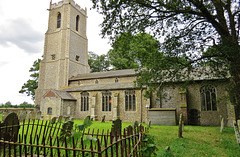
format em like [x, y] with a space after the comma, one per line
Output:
[116, 127]
[23, 116]
[11, 124]
[38, 115]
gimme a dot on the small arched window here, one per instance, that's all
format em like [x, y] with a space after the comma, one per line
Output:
[208, 98]
[77, 22]
[84, 101]
[59, 20]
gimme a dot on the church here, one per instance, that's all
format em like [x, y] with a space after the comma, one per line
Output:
[66, 86]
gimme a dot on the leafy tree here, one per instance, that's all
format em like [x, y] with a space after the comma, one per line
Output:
[31, 85]
[132, 51]
[199, 31]
[98, 63]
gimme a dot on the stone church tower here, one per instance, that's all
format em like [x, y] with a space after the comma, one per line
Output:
[65, 49]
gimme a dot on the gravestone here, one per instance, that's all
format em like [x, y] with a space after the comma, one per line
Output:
[23, 116]
[103, 118]
[149, 124]
[236, 132]
[135, 125]
[66, 118]
[53, 120]
[4, 115]
[60, 118]
[129, 130]
[66, 129]
[87, 122]
[38, 115]
[28, 116]
[222, 124]
[31, 115]
[180, 126]
[10, 133]
[116, 127]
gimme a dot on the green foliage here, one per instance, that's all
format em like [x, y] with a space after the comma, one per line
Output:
[98, 63]
[132, 51]
[22, 105]
[197, 32]
[31, 85]
[149, 147]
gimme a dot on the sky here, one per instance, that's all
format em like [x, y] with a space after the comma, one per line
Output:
[23, 24]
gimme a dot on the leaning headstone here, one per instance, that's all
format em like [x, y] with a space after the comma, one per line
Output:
[38, 115]
[149, 124]
[10, 133]
[236, 132]
[238, 122]
[135, 125]
[103, 118]
[23, 116]
[222, 124]
[180, 127]
[116, 127]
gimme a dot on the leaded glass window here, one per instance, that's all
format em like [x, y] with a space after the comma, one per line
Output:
[208, 98]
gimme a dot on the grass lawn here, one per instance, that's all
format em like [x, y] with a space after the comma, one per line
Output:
[196, 141]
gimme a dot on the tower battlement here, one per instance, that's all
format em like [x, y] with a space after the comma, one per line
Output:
[72, 2]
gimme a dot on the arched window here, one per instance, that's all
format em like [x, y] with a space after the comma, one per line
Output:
[106, 101]
[84, 101]
[130, 101]
[59, 20]
[49, 110]
[77, 22]
[208, 98]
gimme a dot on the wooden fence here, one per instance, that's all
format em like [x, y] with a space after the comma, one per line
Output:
[47, 138]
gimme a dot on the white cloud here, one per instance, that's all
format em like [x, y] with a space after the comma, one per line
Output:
[20, 33]
[22, 27]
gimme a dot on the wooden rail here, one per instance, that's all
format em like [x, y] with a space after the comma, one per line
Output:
[43, 138]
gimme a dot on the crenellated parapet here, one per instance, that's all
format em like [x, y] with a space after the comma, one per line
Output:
[72, 2]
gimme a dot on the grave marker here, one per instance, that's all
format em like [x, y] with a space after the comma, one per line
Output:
[23, 116]
[135, 125]
[222, 124]
[236, 132]
[38, 115]
[60, 118]
[103, 118]
[116, 127]
[10, 133]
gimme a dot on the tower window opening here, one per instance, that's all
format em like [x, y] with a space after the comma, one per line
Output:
[53, 57]
[77, 22]
[49, 110]
[59, 20]
[77, 58]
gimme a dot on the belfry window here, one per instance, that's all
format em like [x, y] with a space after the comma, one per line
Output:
[49, 110]
[84, 101]
[77, 22]
[59, 20]
[208, 98]
[106, 101]
[130, 101]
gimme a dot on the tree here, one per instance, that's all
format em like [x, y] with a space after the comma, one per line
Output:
[98, 63]
[31, 85]
[132, 51]
[199, 31]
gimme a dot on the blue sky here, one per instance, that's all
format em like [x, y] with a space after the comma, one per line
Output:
[22, 27]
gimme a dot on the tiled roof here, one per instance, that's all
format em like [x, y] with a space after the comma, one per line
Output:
[97, 87]
[64, 95]
[106, 74]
